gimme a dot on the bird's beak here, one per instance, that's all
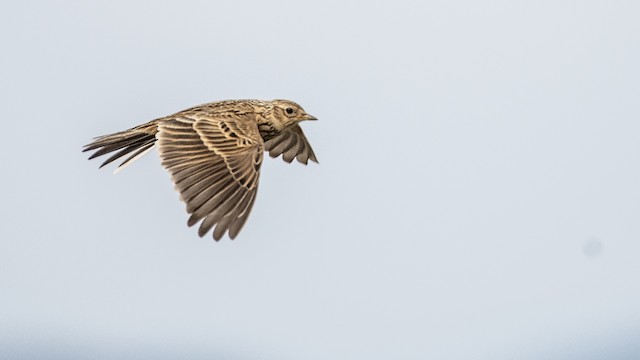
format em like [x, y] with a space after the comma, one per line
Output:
[309, 117]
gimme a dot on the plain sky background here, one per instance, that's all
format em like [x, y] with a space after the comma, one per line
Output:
[477, 197]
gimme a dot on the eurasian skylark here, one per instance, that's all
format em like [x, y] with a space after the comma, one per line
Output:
[214, 152]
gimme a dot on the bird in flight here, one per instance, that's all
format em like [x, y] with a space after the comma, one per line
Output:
[213, 153]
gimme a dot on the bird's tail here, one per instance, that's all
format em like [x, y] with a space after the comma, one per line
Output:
[134, 142]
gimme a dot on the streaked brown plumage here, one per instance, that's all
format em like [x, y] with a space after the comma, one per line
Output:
[214, 152]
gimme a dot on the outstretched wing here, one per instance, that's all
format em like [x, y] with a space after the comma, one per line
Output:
[291, 144]
[214, 161]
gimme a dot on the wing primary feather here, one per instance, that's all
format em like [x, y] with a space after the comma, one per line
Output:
[208, 206]
[201, 192]
[238, 223]
[216, 217]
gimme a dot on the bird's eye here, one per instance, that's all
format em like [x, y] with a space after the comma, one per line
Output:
[289, 111]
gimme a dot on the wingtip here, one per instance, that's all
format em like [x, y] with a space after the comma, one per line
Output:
[305, 160]
[192, 221]
[313, 158]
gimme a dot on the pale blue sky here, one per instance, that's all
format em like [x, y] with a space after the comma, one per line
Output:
[477, 197]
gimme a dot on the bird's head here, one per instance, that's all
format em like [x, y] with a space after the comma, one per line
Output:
[289, 113]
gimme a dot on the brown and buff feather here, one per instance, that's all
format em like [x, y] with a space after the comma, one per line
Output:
[214, 152]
